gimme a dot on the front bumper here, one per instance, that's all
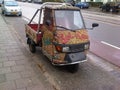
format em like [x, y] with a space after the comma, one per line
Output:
[13, 13]
[71, 58]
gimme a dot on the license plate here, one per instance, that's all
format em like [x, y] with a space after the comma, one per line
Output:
[14, 12]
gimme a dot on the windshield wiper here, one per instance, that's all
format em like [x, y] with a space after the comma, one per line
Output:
[62, 27]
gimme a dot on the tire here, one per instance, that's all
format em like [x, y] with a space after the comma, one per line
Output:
[20, 14]
[32, 48]
[81, 7]
[73, 68]
[2, 12]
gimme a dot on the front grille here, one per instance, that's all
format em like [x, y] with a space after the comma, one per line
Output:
[76, 47]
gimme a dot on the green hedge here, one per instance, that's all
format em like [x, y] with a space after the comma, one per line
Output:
[95, 4]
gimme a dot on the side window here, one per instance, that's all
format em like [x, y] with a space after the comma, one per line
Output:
[48, 16]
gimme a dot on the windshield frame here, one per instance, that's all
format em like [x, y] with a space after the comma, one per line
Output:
[69, 28]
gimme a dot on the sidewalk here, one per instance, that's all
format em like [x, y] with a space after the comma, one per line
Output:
[17, 69]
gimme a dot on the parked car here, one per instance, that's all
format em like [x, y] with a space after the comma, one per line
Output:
[1, 2]
[23, 0]
[38, 1]
[110, 7]
[105, 7]
[30, 1]
[11, 8]
[82, 5]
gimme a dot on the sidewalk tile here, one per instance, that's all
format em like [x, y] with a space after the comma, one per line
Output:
[13, 76]
[28, 73]
[2, 78]
[1, 64]
[3, 59]
[22, 89]
[14, 58]
[5, 70]
[18, 68]
[38, 87]
[9, 63]
[9, 85]
[24, 82]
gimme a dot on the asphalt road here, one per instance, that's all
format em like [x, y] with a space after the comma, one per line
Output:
[92, 75]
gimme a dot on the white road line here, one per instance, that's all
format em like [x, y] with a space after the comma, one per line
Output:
[25, 19]
[110, 45]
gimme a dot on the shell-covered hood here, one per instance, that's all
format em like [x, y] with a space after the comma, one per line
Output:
[71, 37]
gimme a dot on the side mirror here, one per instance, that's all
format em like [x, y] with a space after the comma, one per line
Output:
[95, 25]
[48, 22]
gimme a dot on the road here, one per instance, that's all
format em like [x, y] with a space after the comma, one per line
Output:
[105, 39]
[92, 75]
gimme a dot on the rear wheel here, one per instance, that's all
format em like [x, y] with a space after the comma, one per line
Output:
[32, 48]
[2, 12]
[73, 68]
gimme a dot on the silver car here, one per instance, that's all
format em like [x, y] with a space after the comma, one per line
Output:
[11, 8]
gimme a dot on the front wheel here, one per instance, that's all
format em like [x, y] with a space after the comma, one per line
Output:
[73, 68]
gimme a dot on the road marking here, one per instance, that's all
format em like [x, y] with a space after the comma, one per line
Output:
[103, 15]
[26, 19]
[110, 45]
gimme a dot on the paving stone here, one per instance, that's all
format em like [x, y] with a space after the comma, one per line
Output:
[9, 85]
[3, 59]
[22, 89]
[15, 50]
[13, 76]
[2, 78]
[38, 87]
[25, 82]
[21, 57]
[18, 68]
[9, 63]
[28, 67]
[22, 62]
[1, 65]
[28, 73]
[17, 53]
[7, 55]
[5, 70]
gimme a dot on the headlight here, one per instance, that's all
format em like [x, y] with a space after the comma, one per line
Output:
[86, 46]
[62, 49]
[65, 49]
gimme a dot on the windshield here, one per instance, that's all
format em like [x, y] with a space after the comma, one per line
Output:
[69, 19]
[11, 3]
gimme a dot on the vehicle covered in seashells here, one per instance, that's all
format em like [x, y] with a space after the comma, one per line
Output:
[60, 33]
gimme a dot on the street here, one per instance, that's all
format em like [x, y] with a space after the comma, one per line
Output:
[95, 74]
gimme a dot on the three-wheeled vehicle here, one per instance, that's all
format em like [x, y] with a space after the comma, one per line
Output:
[61, 34]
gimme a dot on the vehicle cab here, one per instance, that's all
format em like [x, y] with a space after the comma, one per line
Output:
[65, 40]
